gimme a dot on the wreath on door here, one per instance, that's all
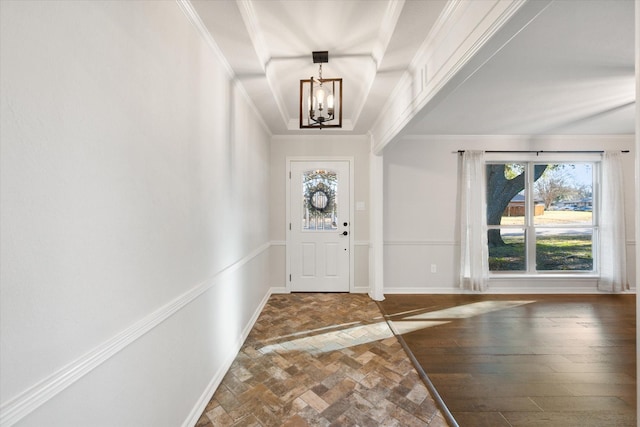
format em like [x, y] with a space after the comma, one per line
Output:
[319, 198]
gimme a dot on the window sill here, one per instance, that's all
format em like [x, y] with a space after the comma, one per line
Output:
[543, 276]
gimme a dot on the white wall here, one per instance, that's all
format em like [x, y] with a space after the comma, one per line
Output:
[316, 147]
[135, 240]
[421, 205]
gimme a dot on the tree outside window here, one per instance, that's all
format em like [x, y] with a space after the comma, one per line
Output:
[540, 217]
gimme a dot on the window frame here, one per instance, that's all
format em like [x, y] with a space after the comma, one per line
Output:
[529, 227]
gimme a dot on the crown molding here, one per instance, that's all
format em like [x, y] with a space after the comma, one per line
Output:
[247, 11]
[195, 20]
[462, 29]
[618, 138]
[387, 28]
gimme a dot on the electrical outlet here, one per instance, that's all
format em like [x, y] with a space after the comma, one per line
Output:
[433, 268]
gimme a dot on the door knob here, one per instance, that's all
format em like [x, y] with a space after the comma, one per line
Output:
[344, 233]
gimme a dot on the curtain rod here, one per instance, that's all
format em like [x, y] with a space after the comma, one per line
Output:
[544, 151]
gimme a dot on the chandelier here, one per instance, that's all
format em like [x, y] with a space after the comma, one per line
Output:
[320, 99]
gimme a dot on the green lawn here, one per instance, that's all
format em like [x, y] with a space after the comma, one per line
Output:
[571, 252]
[554, 253]
[552, 217]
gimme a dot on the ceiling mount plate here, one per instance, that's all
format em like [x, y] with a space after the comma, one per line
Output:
[321, 57]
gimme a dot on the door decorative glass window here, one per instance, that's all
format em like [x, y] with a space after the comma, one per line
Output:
[320, 206]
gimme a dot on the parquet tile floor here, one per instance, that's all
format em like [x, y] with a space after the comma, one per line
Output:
[321, 360]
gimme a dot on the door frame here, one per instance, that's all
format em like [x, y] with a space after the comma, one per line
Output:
[352, 227]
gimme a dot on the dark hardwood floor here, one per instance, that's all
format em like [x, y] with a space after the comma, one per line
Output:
[525, 360]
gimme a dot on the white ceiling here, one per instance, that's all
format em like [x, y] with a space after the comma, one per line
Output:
[569, 71]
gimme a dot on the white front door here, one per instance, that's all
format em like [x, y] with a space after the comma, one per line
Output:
[320, 232]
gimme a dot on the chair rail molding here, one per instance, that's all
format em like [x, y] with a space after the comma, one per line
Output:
[38, 394]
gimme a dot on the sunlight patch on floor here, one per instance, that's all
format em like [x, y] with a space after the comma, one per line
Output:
[310, 332]
[333, 340]
[468, 310]
[404, 327]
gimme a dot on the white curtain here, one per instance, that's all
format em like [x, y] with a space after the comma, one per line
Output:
[474, 254]
[613, 264]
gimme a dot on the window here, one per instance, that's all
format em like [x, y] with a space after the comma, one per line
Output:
[540, 217]
[319, 200]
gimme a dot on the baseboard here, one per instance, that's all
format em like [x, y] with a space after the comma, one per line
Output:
[421, 290]
[496, 289]
[211, 388]
[283, 290]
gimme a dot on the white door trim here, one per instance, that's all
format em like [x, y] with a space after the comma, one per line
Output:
[352, 226]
